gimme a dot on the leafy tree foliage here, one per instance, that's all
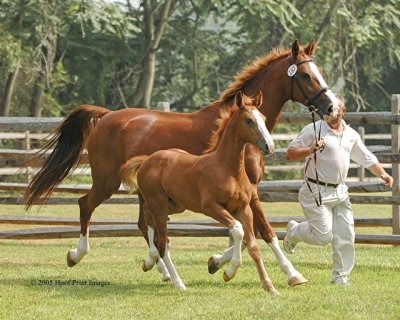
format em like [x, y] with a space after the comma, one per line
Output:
[57, 54]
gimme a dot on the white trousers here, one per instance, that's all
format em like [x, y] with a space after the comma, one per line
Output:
[332, 222]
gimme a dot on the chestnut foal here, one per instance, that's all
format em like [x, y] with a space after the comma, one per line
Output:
[214, 183]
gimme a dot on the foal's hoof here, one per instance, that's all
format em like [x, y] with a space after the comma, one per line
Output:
[226, 277]
[297, 280]
[146, 268]
[180, 286]
[166, 278]
[71, 263]
[273, 292]
[212, 266]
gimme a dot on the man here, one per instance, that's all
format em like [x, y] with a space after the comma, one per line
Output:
[323, 196]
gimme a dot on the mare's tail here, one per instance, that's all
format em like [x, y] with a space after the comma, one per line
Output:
[68, 140]
[128, 172]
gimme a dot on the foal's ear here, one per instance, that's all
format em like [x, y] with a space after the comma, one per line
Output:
[258, 99]
[295, 49]
[311, 48]
[239, 99]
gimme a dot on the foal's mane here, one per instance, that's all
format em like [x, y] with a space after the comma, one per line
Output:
[252, 70]
[225, 115]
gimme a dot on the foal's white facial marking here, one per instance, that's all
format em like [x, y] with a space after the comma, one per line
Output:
[263, 129]
[329, 93]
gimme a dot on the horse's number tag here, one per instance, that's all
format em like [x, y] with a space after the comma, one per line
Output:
[292, 70]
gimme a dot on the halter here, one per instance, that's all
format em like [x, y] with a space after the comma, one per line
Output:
[292, 73]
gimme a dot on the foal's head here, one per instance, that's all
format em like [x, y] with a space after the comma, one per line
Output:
[251, 122]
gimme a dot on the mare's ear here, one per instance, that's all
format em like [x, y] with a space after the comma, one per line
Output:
[238, 99]
[295, 49]
[311, 48]
[258, 99]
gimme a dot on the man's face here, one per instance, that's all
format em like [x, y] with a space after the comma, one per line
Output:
[341, 112]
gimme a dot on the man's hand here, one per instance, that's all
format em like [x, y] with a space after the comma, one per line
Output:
[388, 180]
[318, 145]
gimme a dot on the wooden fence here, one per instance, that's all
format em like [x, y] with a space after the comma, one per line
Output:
[269, 191]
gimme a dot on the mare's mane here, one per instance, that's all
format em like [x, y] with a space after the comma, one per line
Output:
[252, 70]
[225, 115]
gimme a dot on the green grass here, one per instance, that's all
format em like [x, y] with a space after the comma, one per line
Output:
[130, 293]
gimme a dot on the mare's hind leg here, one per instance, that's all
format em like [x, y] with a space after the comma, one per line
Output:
[100, 192]
[145, 229]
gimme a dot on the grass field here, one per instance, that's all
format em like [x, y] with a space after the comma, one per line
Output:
[35, 282]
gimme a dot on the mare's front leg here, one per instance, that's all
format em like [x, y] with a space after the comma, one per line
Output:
[255, 171]
[262, 225]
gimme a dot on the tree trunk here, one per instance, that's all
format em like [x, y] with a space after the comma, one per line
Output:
[37, 94]
[326, 21]
[43, 79]
[8, 91]
[154, 29]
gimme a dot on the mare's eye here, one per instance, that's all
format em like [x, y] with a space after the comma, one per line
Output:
[306, 76]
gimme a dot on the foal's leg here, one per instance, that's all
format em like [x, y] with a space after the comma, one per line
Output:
[262, 225]
[157, 211]
[216, 211]
[144, 229]
[217, 261]
[175, 279]
[149, 263]
[254, 251]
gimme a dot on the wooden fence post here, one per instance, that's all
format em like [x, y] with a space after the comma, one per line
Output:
[395, 166]
[27, 147]
[164, 106]
[361, 169]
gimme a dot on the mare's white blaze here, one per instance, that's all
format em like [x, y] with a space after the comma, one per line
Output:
[263, 129]
[323, 84]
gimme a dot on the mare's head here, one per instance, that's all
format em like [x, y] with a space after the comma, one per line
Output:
[284, 75]
[307, 84]
[251, 122]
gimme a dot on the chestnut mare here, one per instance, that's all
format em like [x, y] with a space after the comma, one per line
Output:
[214, 183]
[113, 137]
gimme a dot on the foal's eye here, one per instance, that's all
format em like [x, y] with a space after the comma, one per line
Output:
[249, 121]
[306, 76]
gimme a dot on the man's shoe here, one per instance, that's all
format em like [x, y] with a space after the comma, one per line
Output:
[340, 281]
[288, 245]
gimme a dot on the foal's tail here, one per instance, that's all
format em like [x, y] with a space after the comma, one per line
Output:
[128, 172]
[68, 140]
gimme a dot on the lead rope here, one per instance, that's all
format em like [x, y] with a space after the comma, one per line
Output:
[319, 200]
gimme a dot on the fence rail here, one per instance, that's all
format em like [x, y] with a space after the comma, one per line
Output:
[275, 191]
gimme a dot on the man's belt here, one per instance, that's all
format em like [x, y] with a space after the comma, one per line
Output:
[325, 184]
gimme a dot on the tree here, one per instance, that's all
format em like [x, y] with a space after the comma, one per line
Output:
[155, 18]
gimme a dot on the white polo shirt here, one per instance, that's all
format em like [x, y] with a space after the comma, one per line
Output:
[334, 161]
